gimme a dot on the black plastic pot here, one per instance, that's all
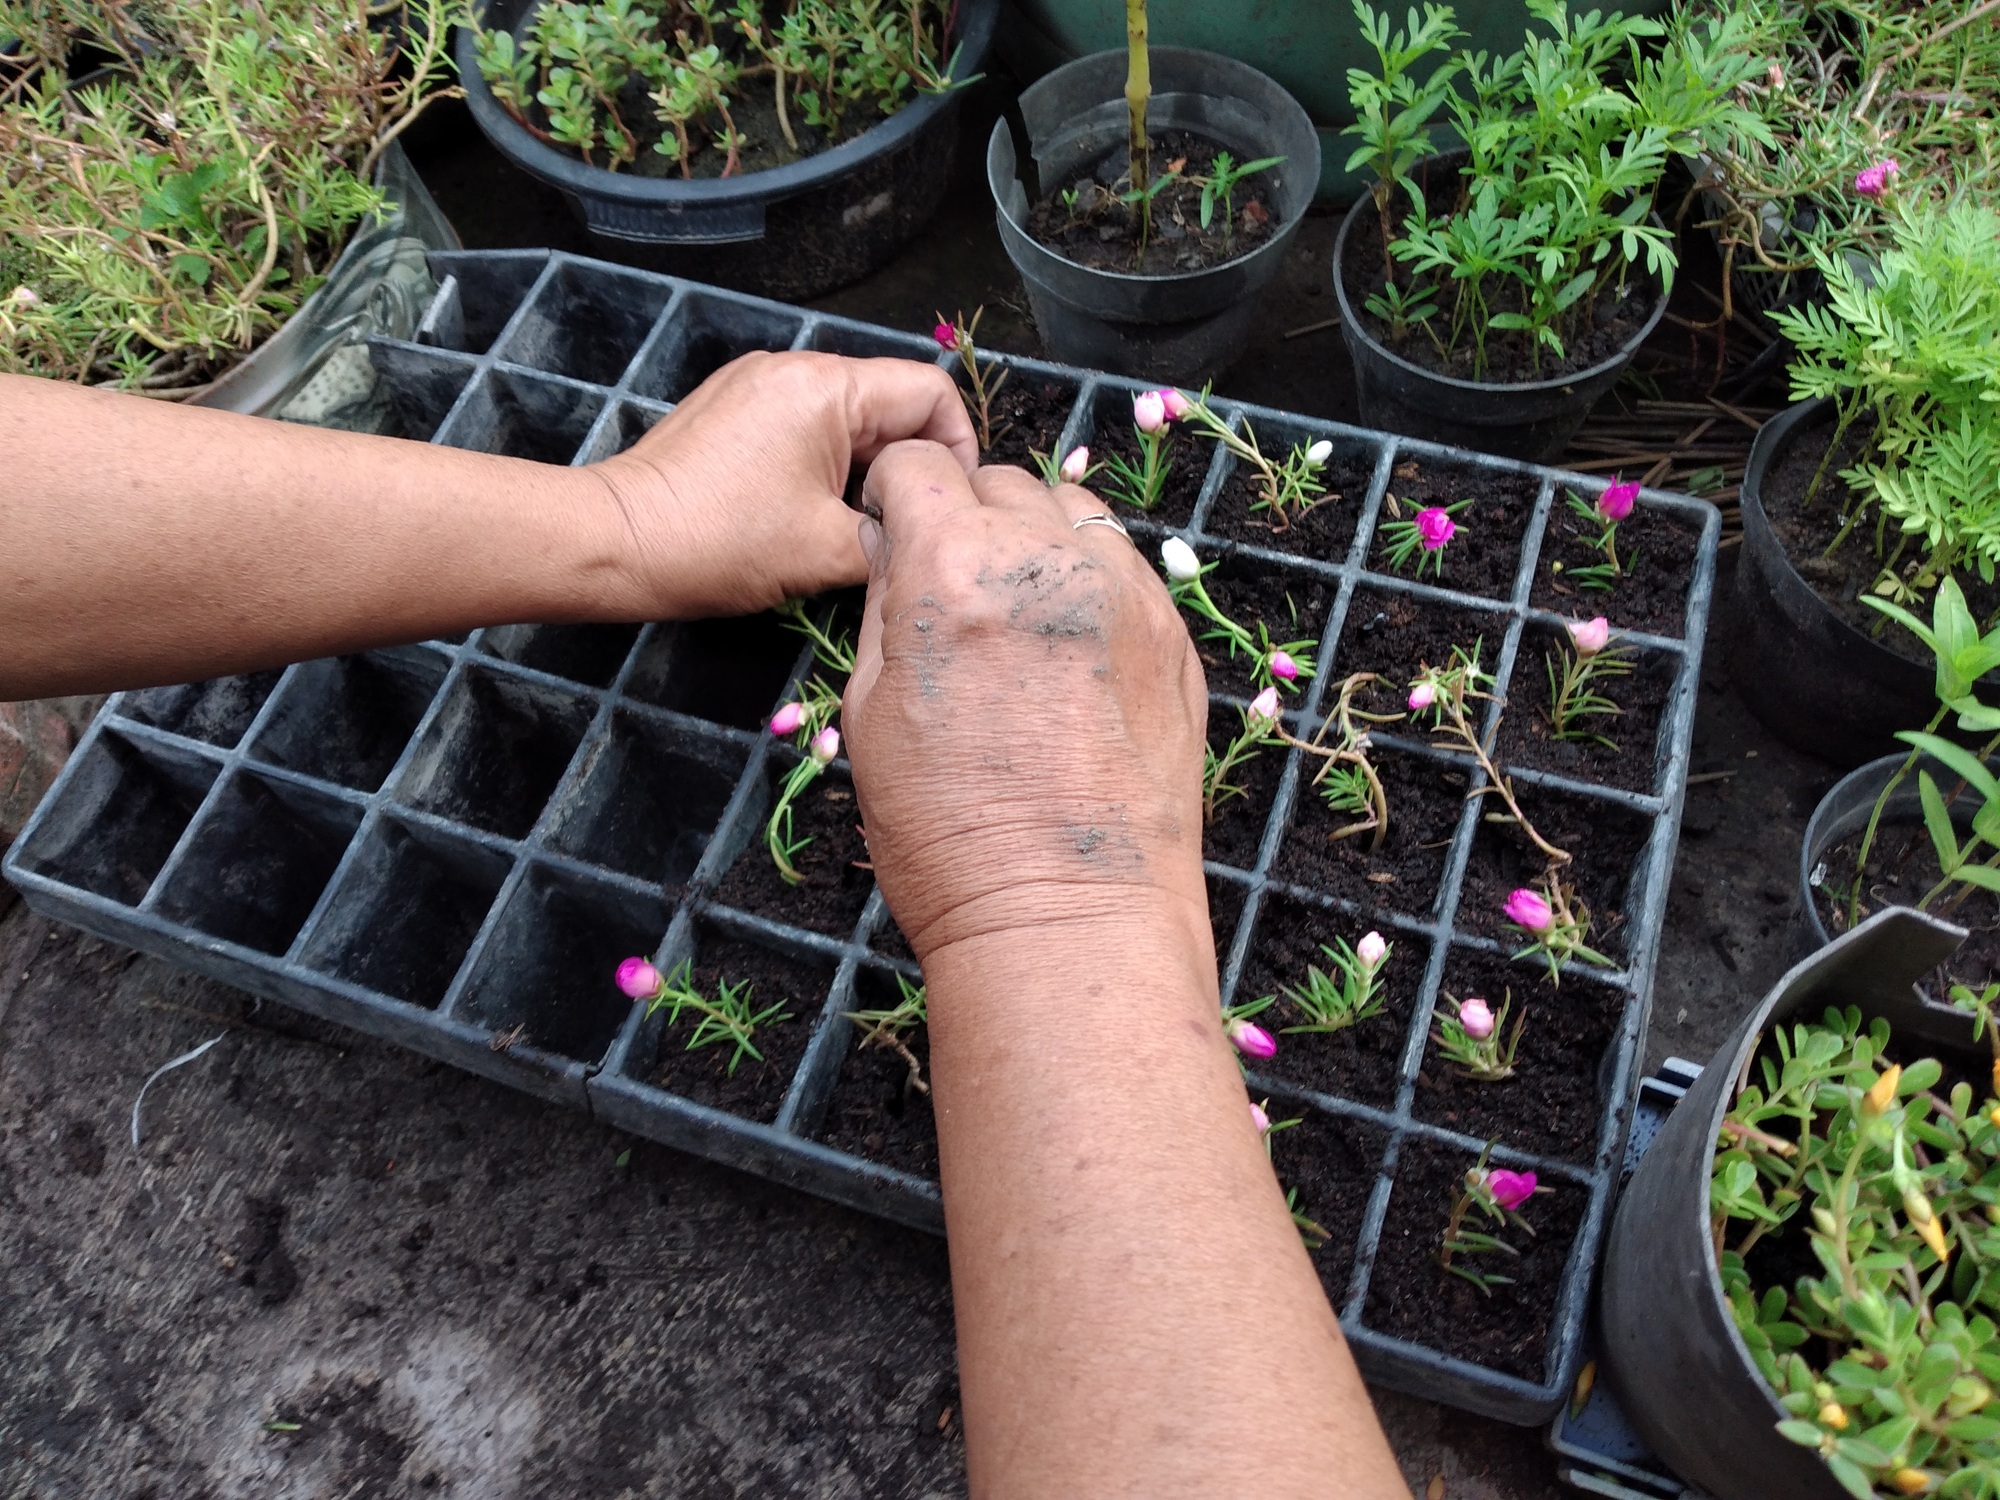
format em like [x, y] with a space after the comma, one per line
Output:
[1670, 1347]
[1181, 328]
[1823, 686]
[793, 231]
[1533, 420]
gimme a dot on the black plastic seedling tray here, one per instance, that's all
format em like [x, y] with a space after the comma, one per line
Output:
[450, 844]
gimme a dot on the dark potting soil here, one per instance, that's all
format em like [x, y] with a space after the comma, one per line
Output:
[1411, 1296]
[1902, 868]
[1324, 531]
[1395, 635]
[1550, 1106]
[1425, 799]
[874, 1111]
[890, 940]
[1614, 318]
[757, 1088]
[1359, 1062]
[1100, 232]
[1232, 836]
[1187, 467]
[1527, 735]
[1485, 552]
[1604, 840]
[1655, 548]
[1290, 605]
[1334, 1164]
[833, 889]
[1225, 906]
[1026, 416]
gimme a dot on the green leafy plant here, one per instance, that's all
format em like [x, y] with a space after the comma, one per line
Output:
[1346, 778]
[728, 1019]
[1273, 663]
[1260, 726]
[982, 381]
[1346, 992]
[808, 721]
[1225, 174]
[889, 1029]
[181, 175]
[1490, 1196]
[1575, 669]
[1471, 1037]
[1287, 487]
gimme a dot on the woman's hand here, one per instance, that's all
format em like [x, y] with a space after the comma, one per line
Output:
[733, 503]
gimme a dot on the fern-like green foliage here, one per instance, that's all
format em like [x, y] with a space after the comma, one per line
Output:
[1914, 344]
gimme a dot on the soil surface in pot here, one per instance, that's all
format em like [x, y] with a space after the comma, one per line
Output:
[1333, 1163]
[1358, 1062]
[1290, 605]
[1410, 1296]
[1485, 551]
[1323, 531]
[1604, 839]
[1425, 799]
[1187, 469]
[1082, 219]
[1027, 416]
[1902, 868]
[1527, 734]
[1551, 1105]
[1656, 548]
[875, 1111]
[1615, 320]
[756, 1089]
[1232, 836]
[833, 887]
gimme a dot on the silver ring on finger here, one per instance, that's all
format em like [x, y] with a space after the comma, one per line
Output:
[1101, 518]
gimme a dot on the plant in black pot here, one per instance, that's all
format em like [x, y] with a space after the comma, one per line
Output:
[814, 136]
[1490, 294]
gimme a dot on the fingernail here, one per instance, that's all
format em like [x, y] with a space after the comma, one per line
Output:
[870, 532]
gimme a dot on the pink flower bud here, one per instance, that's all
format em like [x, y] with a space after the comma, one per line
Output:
[1251, 1039]
[1476, 1016]
[1371, 950]
[1422, 696]
[24, 296]
[1265, 706]
[639, 979]
[946, 335]
[1615, 504]
[1530, 909]
[1510, 1189]
[1435, 527]
[826, 745]
[1283, 667]
[1176, 404]
[1258, 1118]
[788, 720]
[1076, 466]
[1589, 636]
[1873, 182]
[1149, 411]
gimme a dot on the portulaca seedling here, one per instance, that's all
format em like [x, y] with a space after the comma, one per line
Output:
[1347, 778]
[1471, 1038]
[1491, 1196]
[729, 1019]
[1604, 513]
[821, 752]
[1275, 663]
[1246, 1035]
[888, 1028]
[1346, 992]
[1423, 536]
[1140, 485]
[1287, 488]
[982, 381]
[1556, 924]
[1260, 721]
[1224, 174]
[1075, 468]
[1574, 672]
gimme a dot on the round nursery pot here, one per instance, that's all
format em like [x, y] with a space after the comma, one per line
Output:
[1670, 1346]
[793, 231]
[1532, 420]
[1823, 685]
[1181, 328]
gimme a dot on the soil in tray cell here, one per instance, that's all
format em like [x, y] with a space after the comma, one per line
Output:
[1411, 1296]
[1232, 836]
[1333, 1163]
[217, 711]
[1604, 840]
[1485, 552]
[756, 1088]
[876, 1111]
[1425, 800]
[1026, 416]
[1292, 606]
[1551, 1106]
[1655, 547]
[1225, 908]
[1188, 459]
[1324, 531]
[1527, 730]
[1394, 635]
[1902, 869]
[1359, 1062]
[834, 886]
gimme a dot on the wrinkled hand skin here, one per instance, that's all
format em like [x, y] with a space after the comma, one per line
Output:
[1027, 715]
[734, 502]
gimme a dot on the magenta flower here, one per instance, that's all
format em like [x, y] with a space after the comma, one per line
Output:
[1265, 706]
[1476, 1016]
[639, 979]
[1283, 667]
[1615, 504]
[1076, 466]
[1510, 1189]
[1422, 696]
[1873, 182]
[1258, 1118]
[1435, 526]
[1530, 909]
[1371, 950]
[1589, 636]
[946, 335]
[1149, 411]
[1251, 1039]
[826, 745]
[788, 720]
[1176, 404]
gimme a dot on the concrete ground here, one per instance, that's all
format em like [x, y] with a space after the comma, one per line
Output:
[335, 1269]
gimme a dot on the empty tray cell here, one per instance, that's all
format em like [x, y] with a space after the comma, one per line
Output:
[587, 323]
[728, 671]
[420, 386]
[122, 810]
[704, 334]
[589, 654]
[549, 966]
[347, 718]
[1394, 634]
[489, 289]
[406, 912]
[1323, 527]
[259, 862]
[649, 800]
[629, 422]
[859, 341]
[1426, 801]
[495, 752]
[1026, 414]
[1491, 507]
[1332, 1163]
[519, 416]
[218, 710]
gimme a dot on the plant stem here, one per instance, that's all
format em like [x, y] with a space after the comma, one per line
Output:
[1875, 819]
[1138, 90]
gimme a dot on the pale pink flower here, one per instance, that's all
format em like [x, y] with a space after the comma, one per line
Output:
[788, 720]
[1530, 909]
[1076, 466]
[1422, 696]
[1435, 527]
[639, 979]
[1265, 706]
[1615, 504]
[946, 335]
[1283, 667]
[1476, 1016]
[1258, 1118]
[1149, 411]
[1589, 636]
[1251, 1039]
[826, 745]
[1510, 1189]
[1371, 950]
[1873, 182]
[1176, 404]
